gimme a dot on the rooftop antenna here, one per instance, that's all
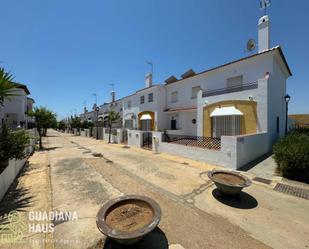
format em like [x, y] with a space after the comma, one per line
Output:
[95, 96]
[151, 65]
[264, 4]
[85, 103]
[113, 87]
[251, 45]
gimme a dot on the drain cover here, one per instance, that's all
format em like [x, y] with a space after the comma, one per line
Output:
[290, 190]
[262, 180]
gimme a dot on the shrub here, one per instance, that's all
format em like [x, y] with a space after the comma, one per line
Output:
[12, 145]
[291, 153]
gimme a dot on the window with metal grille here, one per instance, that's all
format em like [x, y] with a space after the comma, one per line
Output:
[150, 97]
[128, 123]
[234, 81]
[142, 99]
[174, 97]
[226, 126]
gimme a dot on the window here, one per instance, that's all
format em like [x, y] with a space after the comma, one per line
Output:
[226, 126]
[142, 99]
[128, 123]
[277, 124]
[129, 104]
[234, 81]
[174, 97]
[150, 97]
[195, 91]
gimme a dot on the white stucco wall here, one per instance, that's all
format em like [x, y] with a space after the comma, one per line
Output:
[16, 105]
[135, 138]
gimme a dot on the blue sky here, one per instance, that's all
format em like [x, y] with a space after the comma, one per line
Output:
[65, 50]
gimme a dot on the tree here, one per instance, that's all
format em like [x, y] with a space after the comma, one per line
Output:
[44, 119]
[76, 122]
[112, 117]
[7, 88]
[61, 125]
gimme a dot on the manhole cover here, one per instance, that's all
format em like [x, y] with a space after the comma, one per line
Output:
[291, 190]
[262, 180]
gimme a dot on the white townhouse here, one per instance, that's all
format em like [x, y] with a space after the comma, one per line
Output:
[235, 111]
[144, 110]
[100, 113]
[14, 111]
[238, 107]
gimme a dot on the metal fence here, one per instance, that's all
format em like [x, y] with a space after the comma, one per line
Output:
[113, 131]
[242, 87]
[195, 141]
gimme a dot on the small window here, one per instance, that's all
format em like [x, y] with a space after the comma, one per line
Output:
[234, 81]
[150, 97]
[277, 124]
[174, 97]
[142, 100]
[195, 91]
[194, 121]
[129, 104]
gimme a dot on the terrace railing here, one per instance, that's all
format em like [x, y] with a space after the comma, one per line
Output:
[195, 141]
[224, 90]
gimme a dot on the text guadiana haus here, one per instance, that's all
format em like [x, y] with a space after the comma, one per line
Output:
[45, 222]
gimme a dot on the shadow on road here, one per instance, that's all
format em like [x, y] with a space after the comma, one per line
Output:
[242, 201]
[48, 149]
[252, 164]
[17, 198]
[155, 240]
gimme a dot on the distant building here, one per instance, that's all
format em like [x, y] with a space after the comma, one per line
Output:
[15, 111]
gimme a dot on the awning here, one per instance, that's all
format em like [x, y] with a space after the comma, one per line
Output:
[145, 117]
[226, 111]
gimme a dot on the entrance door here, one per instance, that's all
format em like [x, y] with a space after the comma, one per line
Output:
[146, 125]
[173, 124]
[125, 136]
[147, 140]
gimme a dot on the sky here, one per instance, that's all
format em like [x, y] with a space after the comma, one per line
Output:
[66, 50]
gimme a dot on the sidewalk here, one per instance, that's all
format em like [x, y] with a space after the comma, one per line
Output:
[30, 192]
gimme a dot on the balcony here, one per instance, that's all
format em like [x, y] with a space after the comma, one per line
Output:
[243, 87]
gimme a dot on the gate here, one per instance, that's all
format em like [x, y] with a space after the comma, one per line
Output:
[125, 136]
[147, 140]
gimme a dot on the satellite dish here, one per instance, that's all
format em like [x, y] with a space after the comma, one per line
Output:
[251, 45]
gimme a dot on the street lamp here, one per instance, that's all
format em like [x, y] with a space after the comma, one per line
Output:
[97, 117]
[287, 99]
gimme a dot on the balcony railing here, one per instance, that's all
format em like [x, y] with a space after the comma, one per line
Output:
[239, 88]
[195, 141]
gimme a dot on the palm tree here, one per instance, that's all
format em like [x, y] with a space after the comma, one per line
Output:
[7, 88]
[112, 117]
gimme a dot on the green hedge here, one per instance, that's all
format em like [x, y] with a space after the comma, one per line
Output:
[292, 155]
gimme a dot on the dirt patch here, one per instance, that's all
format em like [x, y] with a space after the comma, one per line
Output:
[130, 216]
[227, 178]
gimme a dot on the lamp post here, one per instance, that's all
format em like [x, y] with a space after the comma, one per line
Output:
[97, 117]
[287, 99]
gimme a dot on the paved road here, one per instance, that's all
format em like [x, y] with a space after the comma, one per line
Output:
[193, 216]
[83, 183]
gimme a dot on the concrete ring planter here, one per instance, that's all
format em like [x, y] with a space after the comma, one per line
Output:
[127, 236]
[228, 182]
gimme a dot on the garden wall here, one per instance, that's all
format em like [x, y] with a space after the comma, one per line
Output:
[9, 174]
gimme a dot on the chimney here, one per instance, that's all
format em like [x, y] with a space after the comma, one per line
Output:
[94, 107]
[113, 96]
[85, 109]
[264, 30]
[148, 80]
